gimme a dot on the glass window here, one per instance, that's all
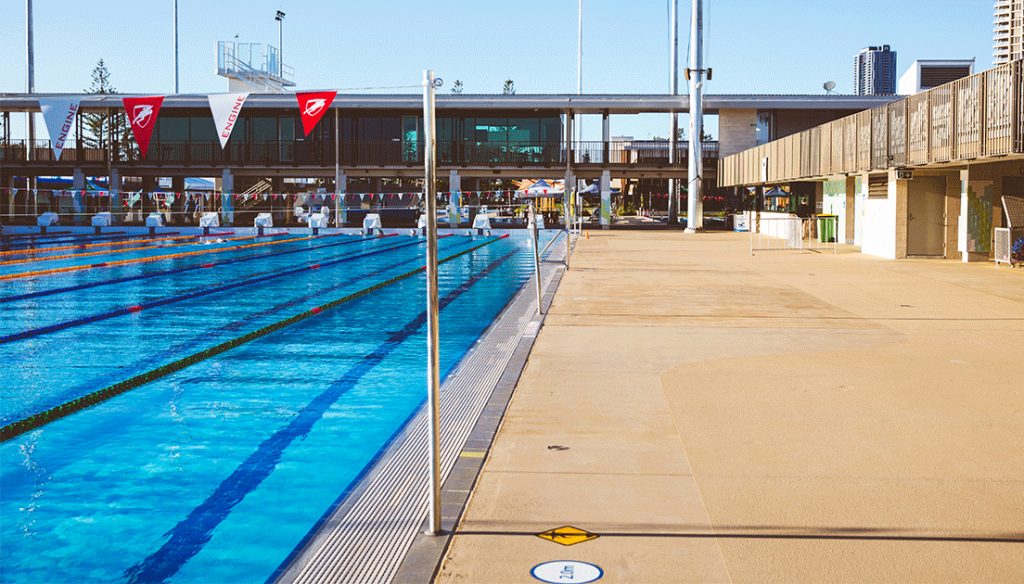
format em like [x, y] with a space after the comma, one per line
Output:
[203, 130]
[172, 128]
[410, 138]
[264, 128]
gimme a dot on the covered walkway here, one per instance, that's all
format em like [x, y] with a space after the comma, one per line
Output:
[791, 417]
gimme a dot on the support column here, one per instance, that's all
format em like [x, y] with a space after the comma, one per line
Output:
[898, 193]
[341, 189]
[78, 185]
[850, 217]
[605, 138]
[227, 187]
[454, 198]
[114, 190]
[606, 199]
[951, 231]
[176, 210]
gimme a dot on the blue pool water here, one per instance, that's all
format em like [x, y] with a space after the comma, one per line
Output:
[216, 472]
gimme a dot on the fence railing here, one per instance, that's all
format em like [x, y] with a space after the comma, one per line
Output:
[972, 118]
[382, 153]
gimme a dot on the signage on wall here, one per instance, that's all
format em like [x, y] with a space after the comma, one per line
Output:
[904, 174]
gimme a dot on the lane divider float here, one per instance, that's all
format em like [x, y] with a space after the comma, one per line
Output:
[197, 293]
[83, 286]
[15, 429]
[155, 258]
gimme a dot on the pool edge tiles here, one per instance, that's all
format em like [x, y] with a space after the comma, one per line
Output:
[339, 550]
[136, 516]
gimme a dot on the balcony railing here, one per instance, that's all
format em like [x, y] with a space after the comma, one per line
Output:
[389, 153]
[973, 118]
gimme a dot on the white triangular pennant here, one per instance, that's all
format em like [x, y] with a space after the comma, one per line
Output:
[59, 114]
[226, 109]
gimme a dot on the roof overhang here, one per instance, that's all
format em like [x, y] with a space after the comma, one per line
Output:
[585, 104]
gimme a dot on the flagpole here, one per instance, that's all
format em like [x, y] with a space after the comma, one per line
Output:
[176, 89]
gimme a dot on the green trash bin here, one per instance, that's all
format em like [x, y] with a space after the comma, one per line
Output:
[827, 225]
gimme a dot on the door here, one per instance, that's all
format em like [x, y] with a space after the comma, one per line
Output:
[926, 217]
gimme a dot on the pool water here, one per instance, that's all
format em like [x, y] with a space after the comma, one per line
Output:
[215, 472]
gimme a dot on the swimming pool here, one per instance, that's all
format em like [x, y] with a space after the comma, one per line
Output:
[228, 434]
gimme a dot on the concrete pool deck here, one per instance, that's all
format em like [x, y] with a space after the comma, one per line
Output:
[714, 416]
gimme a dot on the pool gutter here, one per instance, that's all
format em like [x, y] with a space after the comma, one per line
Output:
[376, 533]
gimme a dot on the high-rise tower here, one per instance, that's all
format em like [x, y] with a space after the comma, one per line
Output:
[874, 71]
[1008, 31]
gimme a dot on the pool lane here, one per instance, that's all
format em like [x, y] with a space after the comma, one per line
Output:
[58, 368]
[96, 242]
[207, 247]
[307, 409]
[19, 290]
[37, 318]
[40, 256]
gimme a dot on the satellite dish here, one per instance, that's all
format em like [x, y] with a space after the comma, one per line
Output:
[829, 86]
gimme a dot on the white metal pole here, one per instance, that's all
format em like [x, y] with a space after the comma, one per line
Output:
[536, 257]
[433, 338]
[30, 76]
[337, 173]
[579, 52]
[673, 137]
[176, 86]
[695, 168]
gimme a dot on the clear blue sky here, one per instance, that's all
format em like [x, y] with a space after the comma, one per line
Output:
[755, 46]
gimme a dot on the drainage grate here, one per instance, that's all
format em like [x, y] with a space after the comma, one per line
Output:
[366, 539]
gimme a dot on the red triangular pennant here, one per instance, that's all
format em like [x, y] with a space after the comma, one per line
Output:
[313, 106]
[142, 113]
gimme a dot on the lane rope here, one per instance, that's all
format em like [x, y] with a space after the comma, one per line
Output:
[38, 250]
[195, 293]
[19, 427]
[150, 259]
[143, 276]
[117, 251]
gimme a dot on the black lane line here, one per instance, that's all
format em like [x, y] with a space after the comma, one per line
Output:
[19, 427]
[195, 293]
[76, 287]
[190, 535]
[146, 362]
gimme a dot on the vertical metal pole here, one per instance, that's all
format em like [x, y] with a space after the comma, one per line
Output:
[30, 80]
[579, 52]
[433, 338]
[536, 258]
[673, 137]
[337, 173]
[280, 47]
[567, 192]
[176, 86]
[695, 168]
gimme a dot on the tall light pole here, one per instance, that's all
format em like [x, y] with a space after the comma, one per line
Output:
[176, 86]
[579, 51]
[695, 168]
[673, 75]
[279, 17]
[30, 78]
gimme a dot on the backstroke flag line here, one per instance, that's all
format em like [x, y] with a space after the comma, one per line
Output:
[142, 113]
[313, 106]
[226, 108]
[59, 114]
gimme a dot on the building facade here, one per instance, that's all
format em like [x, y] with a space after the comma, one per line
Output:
[874, 71]
[1008, 31]
[925, 74]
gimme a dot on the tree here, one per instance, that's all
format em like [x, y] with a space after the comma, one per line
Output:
[509, 88]
[99, 127]
[457, 86]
